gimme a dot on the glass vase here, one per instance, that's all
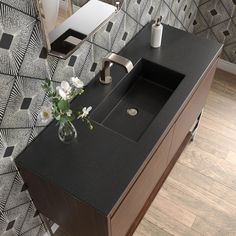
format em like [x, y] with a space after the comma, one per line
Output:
[67, 132]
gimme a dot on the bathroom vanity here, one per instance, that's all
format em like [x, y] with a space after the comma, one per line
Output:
[102, 184]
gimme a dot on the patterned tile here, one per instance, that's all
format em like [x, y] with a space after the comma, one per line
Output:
[17, 195]
[128, 25]
[214, 12]
[30, 220]
[104, 38]
[224, 56]
[94, 55]
[32, 65]
[169, 17]
[35, 131]
[200, 24]
[64, 71]
[38, 230]
[230, 6]
[6, 165]
[18, 26]
[6, 182]
[151, 11]
[183, 8]
[19, 220]
[190, 16]
[26, 6]
[216, 19]
[202, 2]
[225, 32]
[234, 20]
[15, 215]
[135, 9]
[12, 138]
[6, 83]
[24, 103]
[230, 51]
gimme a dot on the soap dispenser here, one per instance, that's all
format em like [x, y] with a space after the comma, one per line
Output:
[156, 34]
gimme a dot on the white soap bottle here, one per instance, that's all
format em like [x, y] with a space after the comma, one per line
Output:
[156, 34]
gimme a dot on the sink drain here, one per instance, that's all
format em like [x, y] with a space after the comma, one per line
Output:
[132, 111]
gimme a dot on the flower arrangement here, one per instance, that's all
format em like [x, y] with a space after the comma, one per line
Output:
[60, 98]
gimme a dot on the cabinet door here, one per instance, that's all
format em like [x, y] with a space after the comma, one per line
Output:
[191, 111]
[138, 195]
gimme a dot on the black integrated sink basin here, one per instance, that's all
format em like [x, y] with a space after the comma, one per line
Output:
[137, 99]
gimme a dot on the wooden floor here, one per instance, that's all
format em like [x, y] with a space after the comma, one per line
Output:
[199, 196]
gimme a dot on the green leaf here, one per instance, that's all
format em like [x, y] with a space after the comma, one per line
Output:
[63, 106]
[47, 85]
[58, 117]
[81, 91]
[64, 119]
[55, 100]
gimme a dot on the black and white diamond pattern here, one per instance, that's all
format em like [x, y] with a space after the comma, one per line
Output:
[217, 19]
[18, 25]
[24, 103]
[24, 64]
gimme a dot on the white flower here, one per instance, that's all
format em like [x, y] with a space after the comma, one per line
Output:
[85, 111]
[77, 82]
[64, 90]
[46, 115]
[69, 113]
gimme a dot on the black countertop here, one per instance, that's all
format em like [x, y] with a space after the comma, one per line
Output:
[100, 164]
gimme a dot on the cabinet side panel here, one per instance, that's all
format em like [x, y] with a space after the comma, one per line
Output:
[140, 192]
[62, 208]
[191, 111]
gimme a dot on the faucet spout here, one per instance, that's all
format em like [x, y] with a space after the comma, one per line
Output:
[107, 62]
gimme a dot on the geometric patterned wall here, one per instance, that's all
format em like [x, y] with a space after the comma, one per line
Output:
[217, 19]
[23, 67]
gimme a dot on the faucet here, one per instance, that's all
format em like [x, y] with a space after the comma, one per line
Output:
[107, 62]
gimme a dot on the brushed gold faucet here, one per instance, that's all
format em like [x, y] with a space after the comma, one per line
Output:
[107, 62]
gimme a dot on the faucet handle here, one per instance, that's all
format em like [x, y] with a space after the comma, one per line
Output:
[115, 58]
[110, 59]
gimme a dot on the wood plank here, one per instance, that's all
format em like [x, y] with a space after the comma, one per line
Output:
[205, 228]
[223, 90]
[231, 157]
[215, 138]
[171, 209]
[227, 78]
[188, 176]
[222, 191]
[225, 83]
[211, 199]
[202, 203]
[146, 228]
[229, 132]
[209, 165]
[169, 224]
[221, 104]
[214, 148]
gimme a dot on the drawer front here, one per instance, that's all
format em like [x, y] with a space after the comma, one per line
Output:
[191, 112]
[133, 203]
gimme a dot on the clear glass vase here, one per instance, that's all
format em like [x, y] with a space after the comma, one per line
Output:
[67, 132]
